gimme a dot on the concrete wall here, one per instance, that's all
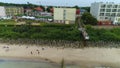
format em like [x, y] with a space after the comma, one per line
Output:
[2, 11]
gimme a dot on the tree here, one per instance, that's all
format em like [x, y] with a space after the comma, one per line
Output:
[77, 7]
[87, 18]
[49, 8]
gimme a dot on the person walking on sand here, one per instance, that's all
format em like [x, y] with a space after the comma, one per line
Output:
[26, 47]
[31, 52]
[38, 52]
[42, 48]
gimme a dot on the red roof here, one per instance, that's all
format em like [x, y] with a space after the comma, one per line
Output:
[39, 9]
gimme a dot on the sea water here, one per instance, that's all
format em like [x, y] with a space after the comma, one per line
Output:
[26, 64]
[18, 63]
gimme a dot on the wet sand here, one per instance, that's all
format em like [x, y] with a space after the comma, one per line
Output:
[86, 58]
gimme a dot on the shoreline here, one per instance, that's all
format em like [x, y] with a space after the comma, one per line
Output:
[26, 59]
[81, 56]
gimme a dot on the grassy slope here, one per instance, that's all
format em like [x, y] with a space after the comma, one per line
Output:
[55, 32]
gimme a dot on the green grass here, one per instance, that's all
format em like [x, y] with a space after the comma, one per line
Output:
[44, 17]
[56, 31]
[40, 32]
[7, 22]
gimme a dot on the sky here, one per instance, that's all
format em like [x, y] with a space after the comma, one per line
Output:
[60, 2]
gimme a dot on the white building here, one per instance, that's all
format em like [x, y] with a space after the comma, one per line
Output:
[2, 11]
[10, 11]
[106, 12]
[64, 15]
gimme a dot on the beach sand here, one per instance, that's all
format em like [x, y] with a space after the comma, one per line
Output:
[85, 57]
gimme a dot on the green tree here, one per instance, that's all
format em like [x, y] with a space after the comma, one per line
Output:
[87, 18]
[76, 6]
[48, 8]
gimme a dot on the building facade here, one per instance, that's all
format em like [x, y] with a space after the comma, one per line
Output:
[6, 11]
[12, 10]
[64, 15]
[106, 12]
[2, 11]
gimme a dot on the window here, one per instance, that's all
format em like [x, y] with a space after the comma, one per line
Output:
[107, 14]
[118, 14]
[115, 6]
[114, 10]
[64, 14]
[108, 10]
[102, 10]
[118, 10]
[101, 14]
[103, 6]
[106, 17]
[109, 6]
[101, 18]
[113, 14]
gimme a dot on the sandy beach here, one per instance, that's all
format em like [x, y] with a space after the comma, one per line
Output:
[86, 57]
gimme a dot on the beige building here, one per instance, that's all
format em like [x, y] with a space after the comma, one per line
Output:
[12, 11]
[6, 11]
[64, 15]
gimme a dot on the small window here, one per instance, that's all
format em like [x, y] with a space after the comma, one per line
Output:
[108, 10]
[109, 6]
[114, 10]
[101, 14]
[106, 17]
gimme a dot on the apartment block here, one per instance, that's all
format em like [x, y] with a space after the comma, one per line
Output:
[106, 12]
[64, 15]
[9, 11]
[2, 11]
[12, 10]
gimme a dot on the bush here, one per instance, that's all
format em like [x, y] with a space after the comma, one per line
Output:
[58, 33]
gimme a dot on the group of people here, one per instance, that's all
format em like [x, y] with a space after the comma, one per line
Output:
[37, 52]
[6, 48]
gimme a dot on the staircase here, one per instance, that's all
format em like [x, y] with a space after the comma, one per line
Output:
[82, 29]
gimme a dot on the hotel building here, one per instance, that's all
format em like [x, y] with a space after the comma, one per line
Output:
[106, 12]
